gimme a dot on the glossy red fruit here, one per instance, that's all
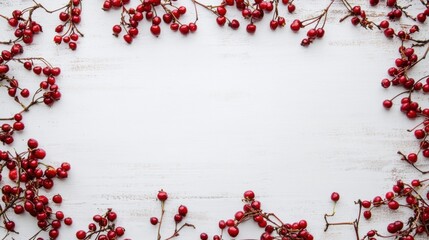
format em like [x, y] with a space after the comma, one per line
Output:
[296, 25]
[233, 231]
[162, 195]
[155, 30]
[335, 196]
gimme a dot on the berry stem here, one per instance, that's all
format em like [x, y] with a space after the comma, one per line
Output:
[161, 219]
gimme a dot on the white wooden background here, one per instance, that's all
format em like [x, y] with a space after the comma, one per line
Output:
[212, 114]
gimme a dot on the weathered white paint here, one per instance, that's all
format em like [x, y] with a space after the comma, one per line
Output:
[212, 114]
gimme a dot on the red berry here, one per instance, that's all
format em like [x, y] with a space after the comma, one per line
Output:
[296, 25]
[154, 220]
[367, 214]
[183, 210]
[155, 30]
[119, 231]
[9, 225]
[204, 236]
[412, 158]
[335, 196]
[234, 24]
[419, 133]
[162, 195]
[57, 198]
[387, 103]
[80, 234]
[393, 205]
[184, 29]
[178, 218]
[116, 29]
[251, 28]
[233, 231]
[291, 8]
[68, 221]
[128, 38]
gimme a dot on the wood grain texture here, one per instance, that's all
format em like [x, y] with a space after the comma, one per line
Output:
[212, 114]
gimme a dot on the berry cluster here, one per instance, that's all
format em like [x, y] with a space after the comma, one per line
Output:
[273, 227]
[400, 76]
[251, 11]
[103, 228]
[70, 16]
[26, 28]
[131, 17]
[403, 196]
[28, 178]
[317, 30]
[182, 211]
[48, 91]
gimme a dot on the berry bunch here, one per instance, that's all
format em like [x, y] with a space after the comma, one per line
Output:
[26, 28]
[317, 31]
[132, 17]
[273, 227]
[103, 228]
[412, 196]
[70, 16]
[28, 178]
[400, 77]
[182, 211]
[251, 11]
[47, 93]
